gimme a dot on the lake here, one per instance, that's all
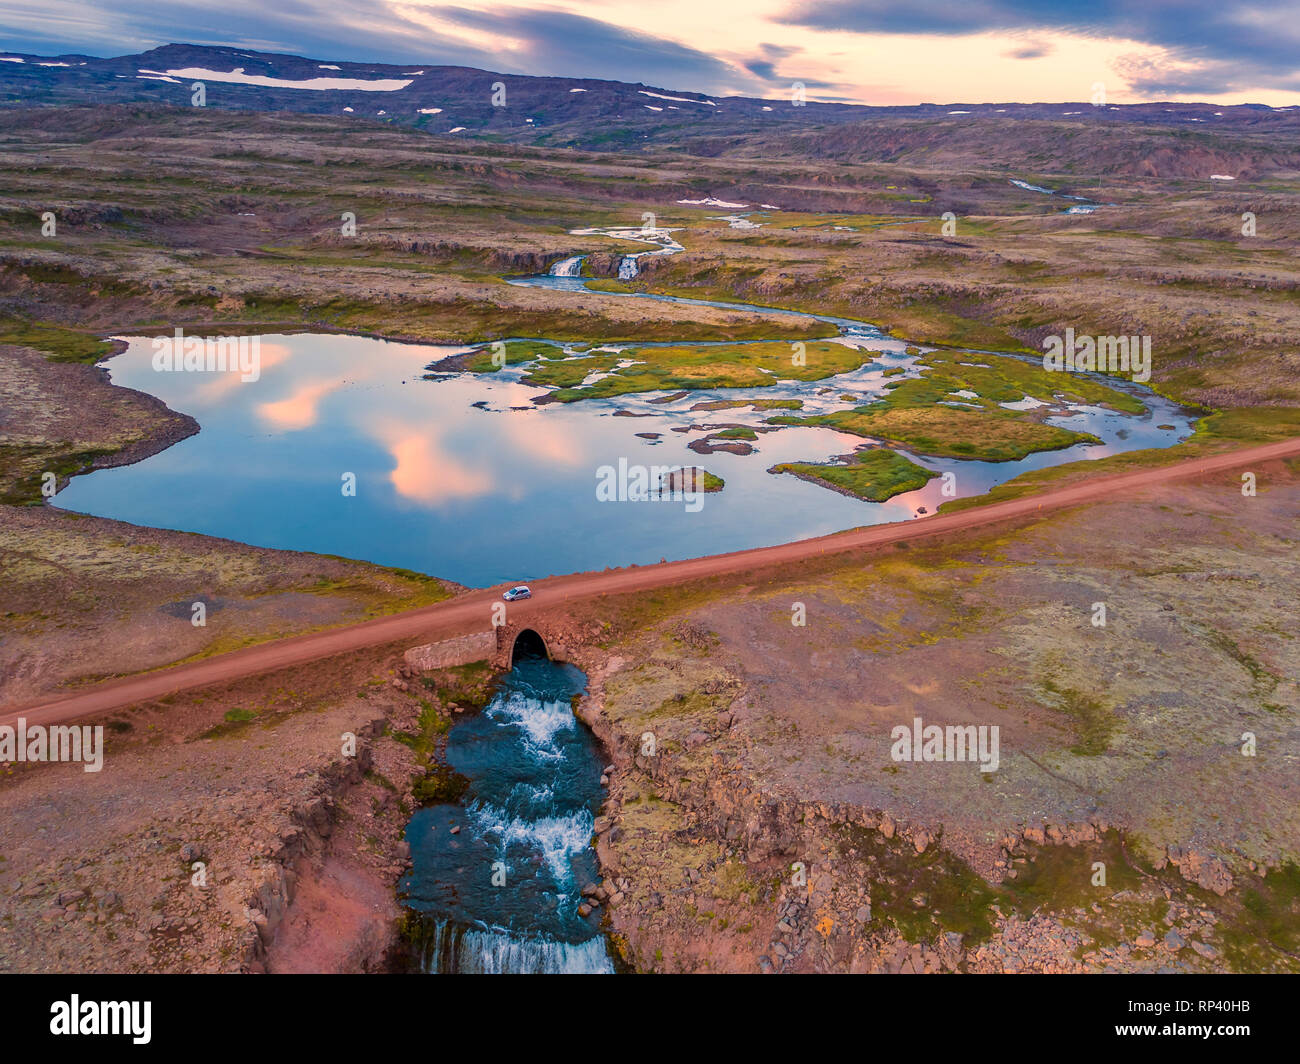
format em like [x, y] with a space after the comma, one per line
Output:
[465, 478]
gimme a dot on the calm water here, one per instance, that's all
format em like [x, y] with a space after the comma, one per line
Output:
[465, 478]
[534, 774]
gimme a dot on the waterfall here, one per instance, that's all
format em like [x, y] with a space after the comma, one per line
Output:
[450, 947]
[627, 268]
[502, 893]
[567, 267]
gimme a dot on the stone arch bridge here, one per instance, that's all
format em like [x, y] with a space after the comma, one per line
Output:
[550, 636]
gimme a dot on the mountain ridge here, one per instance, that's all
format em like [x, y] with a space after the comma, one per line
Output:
[603, 115]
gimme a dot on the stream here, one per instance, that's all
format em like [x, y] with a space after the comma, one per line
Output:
[500, 894]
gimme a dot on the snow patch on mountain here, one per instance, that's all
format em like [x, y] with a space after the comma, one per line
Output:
[238, 77]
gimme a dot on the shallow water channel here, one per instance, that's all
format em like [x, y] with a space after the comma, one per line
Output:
[501, 893]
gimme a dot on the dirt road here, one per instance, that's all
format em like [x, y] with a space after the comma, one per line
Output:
[472, 612]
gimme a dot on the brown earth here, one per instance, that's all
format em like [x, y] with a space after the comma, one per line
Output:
[99, 868]
[1121, 744]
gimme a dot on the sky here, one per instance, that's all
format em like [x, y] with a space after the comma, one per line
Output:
[862, 51]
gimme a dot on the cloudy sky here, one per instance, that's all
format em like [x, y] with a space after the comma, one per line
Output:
[868, 51]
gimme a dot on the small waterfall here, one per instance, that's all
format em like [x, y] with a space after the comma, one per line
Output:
[447, 947]
[567, 267]
[627, 268]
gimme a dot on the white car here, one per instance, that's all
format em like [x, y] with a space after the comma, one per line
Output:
[520, 592]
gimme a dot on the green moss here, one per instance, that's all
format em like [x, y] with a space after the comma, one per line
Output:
[425, 590]
[684, 704]
[876, 474]
[1251, 424]
[234, 722]
[928, 320]
[1001, 379]
[440, 784]
[469, 686]
[915, 411]
[1212, 434]
[921, 895]
[570, 373]
[1263, 932]
[485, 360]
[1060, 878]
[753, 404]
[1093, 723]
[949, 432]
[1261, 677]
[23, 468]
[59, 344]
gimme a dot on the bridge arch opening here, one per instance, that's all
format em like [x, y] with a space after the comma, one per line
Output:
[528, 644]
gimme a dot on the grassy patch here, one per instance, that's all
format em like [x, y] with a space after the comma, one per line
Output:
[948, 432]
[515, 352]
[1059, 878]
[927, 321]
[1214, 433]
[23, 468]
[233, 722]
[607, 284]
[1266, 923]
[917, 414]
[59, 344]
[683, 367]
[875, 475]
[922, 895]
[753, 404]
[1001, 379]
[570, 373]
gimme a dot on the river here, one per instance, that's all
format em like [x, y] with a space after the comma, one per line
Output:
[501, 893]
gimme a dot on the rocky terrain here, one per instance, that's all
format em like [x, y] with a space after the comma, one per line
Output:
[765, 825]
[758, 822]
[210, 816]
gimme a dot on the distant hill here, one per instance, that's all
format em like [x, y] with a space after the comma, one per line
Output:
[1192, 140]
